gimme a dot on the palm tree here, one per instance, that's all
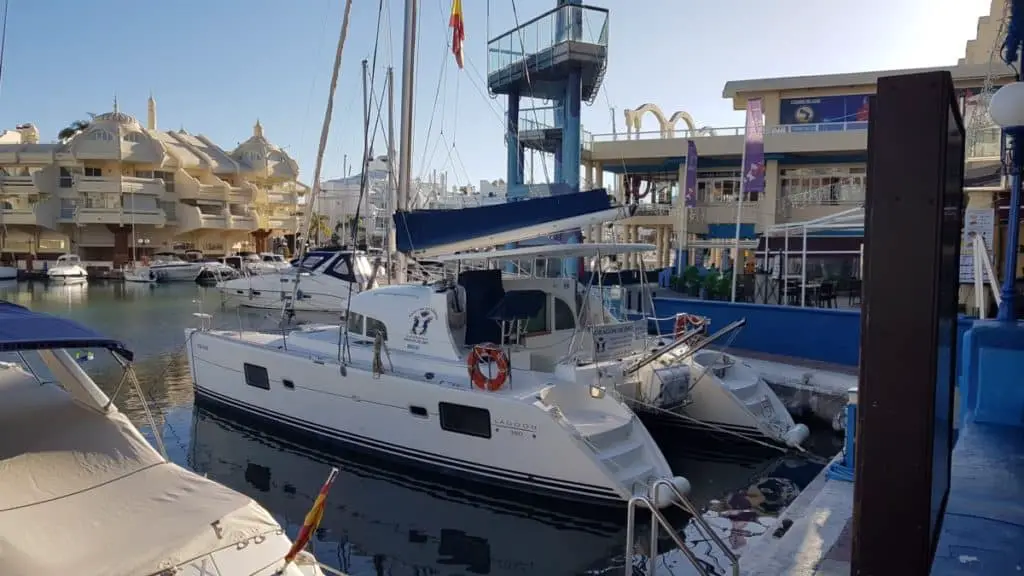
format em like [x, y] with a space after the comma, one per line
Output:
[318, 228]
[72, 130]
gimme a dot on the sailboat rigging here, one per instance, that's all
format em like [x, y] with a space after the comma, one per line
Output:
[324, 132]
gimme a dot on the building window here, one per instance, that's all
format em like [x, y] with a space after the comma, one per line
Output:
[98, 134]
[721, 187]
[829, 186]
[564, 317]
[170, 210]
[466, 420]
[168, 179]
[256, 376]
[133, 137]
[93, 172]
[65, 180]
[143, 173]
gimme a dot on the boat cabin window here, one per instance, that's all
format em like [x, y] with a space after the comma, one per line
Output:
[355, 323]
[342, 269]
[256, 376]
[374, 326]
[311, 261]
[538, 323]
[467, 420]
[565, 319]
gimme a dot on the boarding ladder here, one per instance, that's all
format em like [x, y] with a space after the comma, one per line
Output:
[658, 521]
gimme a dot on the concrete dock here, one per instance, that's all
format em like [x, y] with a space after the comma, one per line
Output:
[818, 540]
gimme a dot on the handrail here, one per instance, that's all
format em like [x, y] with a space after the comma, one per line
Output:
[657, 518]
[683, 503]
[545, 15]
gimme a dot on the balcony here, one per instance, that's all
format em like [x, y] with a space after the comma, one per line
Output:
[118, 185]
[118, 210]
[820, 202]
[18, 185]
[535, 58]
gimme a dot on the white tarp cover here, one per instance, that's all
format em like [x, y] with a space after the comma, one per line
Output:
[83, 493]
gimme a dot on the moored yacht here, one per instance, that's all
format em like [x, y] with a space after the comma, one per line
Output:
[164, 267]
[80, 481]
[67, 270]
[325, 278]
[444, 375]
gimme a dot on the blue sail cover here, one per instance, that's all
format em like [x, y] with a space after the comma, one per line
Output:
[424, 229]
[22, 329]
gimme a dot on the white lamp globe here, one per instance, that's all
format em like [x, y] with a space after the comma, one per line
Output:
[1007, 106]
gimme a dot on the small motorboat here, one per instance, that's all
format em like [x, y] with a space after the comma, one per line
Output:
[67, 270]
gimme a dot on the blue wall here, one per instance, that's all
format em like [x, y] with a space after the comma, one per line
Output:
[820, 334]
[729, 231]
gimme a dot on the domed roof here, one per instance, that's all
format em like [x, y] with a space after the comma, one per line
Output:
[117, 117]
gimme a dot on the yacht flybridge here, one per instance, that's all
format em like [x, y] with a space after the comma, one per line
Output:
[84, 493]
[447, 376]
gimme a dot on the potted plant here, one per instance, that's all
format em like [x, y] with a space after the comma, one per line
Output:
[691, 281]
[709, 285]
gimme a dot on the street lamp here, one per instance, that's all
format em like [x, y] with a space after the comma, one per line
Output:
[1007, 110]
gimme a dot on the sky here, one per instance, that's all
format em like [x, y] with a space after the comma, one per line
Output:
[215, 66]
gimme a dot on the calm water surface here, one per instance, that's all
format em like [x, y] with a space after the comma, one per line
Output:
[381, 522]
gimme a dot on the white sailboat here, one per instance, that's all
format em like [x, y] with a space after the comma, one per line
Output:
[84, 493]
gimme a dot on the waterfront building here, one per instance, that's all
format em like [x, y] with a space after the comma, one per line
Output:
[119, 190]
[815, 150]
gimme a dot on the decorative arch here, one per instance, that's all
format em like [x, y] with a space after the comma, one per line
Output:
[666, 127]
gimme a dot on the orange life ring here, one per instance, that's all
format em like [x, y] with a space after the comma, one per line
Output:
[487, 353]
[684, 322]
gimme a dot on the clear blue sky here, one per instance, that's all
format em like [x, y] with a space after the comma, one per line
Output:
[214, 66]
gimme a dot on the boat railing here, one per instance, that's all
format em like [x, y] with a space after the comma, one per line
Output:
[658, 521]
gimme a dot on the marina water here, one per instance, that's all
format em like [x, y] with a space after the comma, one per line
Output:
[380, 519]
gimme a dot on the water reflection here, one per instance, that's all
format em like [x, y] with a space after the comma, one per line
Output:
[382, 522]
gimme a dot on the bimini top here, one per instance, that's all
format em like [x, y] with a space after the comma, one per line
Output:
[22, 329]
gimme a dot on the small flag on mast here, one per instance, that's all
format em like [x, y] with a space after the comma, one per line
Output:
[458, 31]
[313, 518]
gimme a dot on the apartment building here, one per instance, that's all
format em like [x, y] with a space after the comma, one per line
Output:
[816, 153]
[118, 190]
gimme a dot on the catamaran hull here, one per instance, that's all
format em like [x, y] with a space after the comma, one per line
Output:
[392, 416]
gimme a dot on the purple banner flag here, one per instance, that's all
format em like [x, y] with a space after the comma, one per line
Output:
[753, 148]
[690, 184]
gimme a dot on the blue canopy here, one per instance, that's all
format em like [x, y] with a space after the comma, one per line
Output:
[22, 329]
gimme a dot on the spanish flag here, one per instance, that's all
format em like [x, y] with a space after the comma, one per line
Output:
[313, 518]
[458, 31]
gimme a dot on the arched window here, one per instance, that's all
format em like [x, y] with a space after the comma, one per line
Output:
[565, 319]
[133, 137]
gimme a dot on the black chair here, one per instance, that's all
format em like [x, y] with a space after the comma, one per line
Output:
[854, 294]
[827, 295]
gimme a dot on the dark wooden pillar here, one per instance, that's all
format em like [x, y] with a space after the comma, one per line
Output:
[122, 244]
[259, 240]
[914, 213]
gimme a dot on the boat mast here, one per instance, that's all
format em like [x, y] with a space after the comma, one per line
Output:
[405, 130]
[324, 131]
[392, 187]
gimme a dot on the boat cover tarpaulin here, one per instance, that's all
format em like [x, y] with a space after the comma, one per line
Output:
[422, 230]
[22, 329]
[83, 493]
